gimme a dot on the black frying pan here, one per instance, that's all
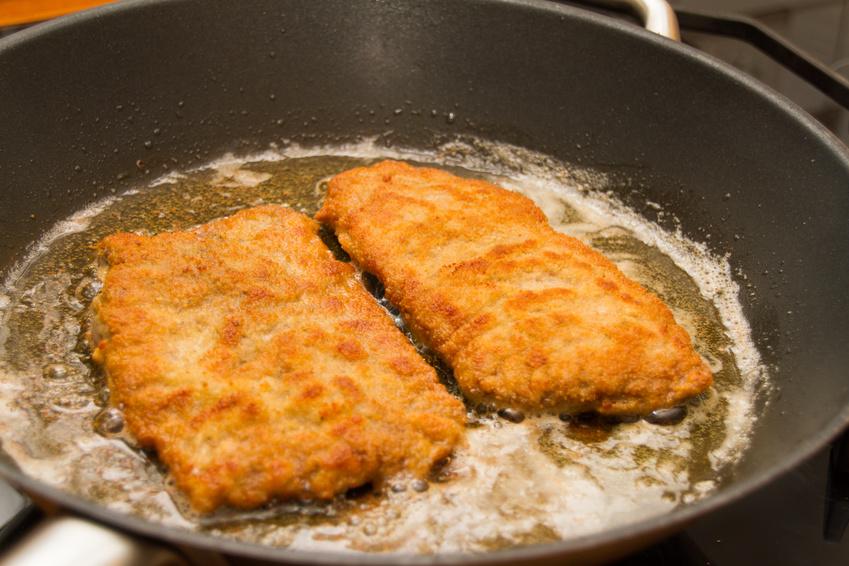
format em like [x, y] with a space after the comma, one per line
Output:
[686, 129]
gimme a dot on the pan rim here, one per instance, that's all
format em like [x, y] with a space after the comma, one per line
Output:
[666, 522]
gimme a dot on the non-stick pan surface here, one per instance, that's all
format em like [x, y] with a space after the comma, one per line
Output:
[742, 169]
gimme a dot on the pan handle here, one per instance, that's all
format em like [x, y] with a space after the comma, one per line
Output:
[66, 541]
[657, 15]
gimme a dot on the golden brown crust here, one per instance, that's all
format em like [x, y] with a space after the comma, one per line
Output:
[526, 316]
[257, 365]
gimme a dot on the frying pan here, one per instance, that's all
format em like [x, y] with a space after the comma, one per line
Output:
[684, 129]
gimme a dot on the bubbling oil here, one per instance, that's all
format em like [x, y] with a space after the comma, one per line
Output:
[538, 480]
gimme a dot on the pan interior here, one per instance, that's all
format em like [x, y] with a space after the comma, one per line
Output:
[538, 481]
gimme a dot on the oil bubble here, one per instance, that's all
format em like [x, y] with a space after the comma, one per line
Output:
[109, 421]
[56, 371]
[670, 416]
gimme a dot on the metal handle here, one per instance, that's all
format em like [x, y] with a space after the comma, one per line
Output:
[66, 541]
[657, 15]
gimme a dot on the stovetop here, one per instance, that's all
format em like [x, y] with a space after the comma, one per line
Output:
[799, 519]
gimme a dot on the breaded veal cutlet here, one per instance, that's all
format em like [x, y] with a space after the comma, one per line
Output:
[527, 317]
[258, 367]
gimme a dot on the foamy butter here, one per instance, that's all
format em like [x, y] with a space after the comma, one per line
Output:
[537, 481]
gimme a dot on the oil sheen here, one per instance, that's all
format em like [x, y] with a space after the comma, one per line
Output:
[539, 480]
